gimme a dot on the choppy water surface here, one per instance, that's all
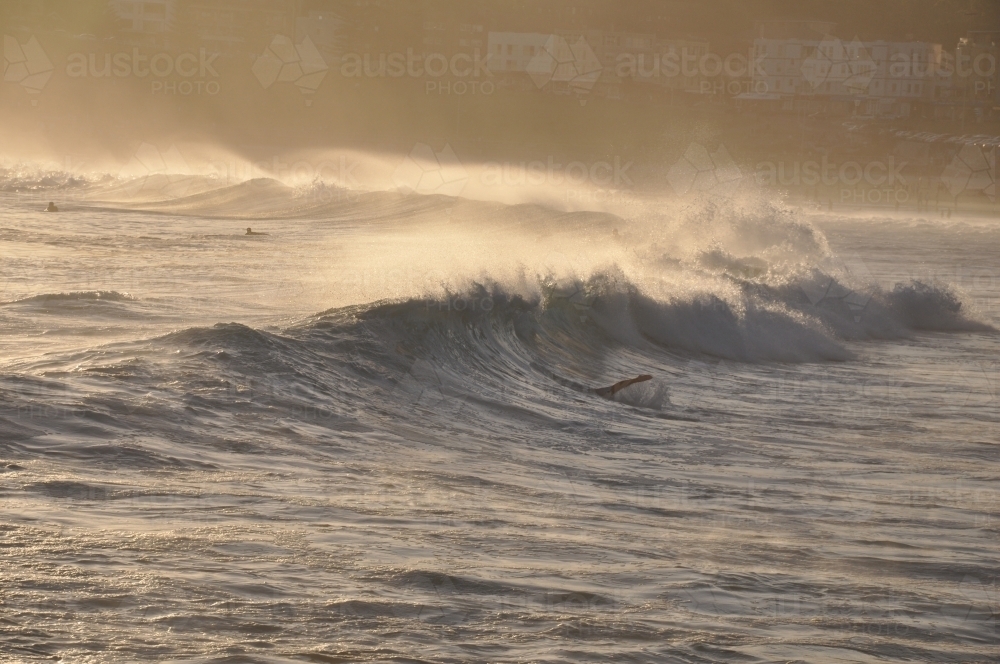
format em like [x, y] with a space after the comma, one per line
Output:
[366, 436]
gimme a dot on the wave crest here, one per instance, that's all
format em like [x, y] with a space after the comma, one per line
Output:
[74, 297]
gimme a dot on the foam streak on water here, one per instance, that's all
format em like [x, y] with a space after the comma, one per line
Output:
[369, 434]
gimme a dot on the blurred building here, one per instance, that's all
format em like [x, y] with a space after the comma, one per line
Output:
[622, 58]
[448, 37]
[792, 29]
[145, 17]
[237, 25]
[977, 58]
[326, 29]
[512, 52]
[805, 71]
[799, 69]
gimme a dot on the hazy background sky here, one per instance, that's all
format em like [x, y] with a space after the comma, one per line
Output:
[211, 89]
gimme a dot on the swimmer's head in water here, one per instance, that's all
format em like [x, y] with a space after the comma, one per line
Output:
[249, 231]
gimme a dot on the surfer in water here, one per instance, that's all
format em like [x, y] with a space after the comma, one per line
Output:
[252, 232]
[604, 392]
[52, 208]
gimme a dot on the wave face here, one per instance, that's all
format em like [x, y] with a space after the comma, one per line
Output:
[213, 195]
[498, 344]
[380, 418]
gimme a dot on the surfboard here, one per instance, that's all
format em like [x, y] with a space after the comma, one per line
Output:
[608, 392]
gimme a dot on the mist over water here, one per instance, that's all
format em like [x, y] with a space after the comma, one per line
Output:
[303, 361]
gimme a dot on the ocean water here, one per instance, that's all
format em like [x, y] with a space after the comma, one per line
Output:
[368, 435]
